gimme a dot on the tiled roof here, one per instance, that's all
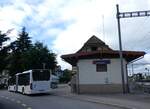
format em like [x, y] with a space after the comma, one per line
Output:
[128, 55]
[105, 52]
[94, 42]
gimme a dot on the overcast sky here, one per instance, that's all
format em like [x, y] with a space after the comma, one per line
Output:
[65, 25]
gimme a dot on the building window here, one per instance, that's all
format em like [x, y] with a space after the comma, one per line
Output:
[101, 67]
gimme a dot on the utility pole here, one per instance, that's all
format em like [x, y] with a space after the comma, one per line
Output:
[126, 15]
[120, 51]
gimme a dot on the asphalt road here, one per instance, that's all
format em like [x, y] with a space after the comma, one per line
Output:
[10, 100]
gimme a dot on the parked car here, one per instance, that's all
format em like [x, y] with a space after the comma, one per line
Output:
[54, 82]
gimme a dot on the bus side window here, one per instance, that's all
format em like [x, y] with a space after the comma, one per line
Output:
[24, 79]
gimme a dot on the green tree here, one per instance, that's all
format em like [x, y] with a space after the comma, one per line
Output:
[24, 55]
[67, 74]
[40, 56]
[23, 42]
[18, 60]
[3, 50]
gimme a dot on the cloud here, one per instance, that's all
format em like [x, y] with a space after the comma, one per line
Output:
[87, 16]
[66, 25]
[140, 65]
[88, 21]
[12, 15]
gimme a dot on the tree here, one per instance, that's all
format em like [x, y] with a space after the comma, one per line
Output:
[3, 50]
[3, 39]
[40, 56]
[24, 55]
[18, 60]
[67, 74]
[23, 43]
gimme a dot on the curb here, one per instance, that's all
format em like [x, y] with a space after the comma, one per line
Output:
[99, 102]
[111, 104]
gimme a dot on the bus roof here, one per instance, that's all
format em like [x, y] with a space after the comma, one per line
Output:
[31, 71]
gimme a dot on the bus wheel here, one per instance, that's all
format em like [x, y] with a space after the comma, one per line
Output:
[23, 90]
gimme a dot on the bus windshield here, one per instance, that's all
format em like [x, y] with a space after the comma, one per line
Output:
[41, 75]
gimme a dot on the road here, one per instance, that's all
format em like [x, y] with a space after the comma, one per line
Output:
[11, 100]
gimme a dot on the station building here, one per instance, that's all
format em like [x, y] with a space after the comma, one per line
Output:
[97, 68]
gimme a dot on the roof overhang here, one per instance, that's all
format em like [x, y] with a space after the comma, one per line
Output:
[128, 55]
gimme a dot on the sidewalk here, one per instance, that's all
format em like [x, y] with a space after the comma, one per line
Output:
[125, 101]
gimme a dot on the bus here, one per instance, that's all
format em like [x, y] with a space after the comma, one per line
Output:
[32, 81]
[12, 84]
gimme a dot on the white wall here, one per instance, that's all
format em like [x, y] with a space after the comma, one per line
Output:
[89, 75]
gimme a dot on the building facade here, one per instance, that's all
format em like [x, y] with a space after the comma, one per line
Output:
[98, 69]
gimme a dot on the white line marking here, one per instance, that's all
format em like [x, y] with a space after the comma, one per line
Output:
[2, 96]
[18, 101]
[29, 108]
[24, 105]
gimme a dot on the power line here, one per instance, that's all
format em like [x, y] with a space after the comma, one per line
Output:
[138, 32]
[126, 15]
[133, 14]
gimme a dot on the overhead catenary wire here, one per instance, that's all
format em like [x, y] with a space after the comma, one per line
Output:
[139, 28]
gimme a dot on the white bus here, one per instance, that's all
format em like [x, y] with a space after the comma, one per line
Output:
[33, 81]
[12, 84]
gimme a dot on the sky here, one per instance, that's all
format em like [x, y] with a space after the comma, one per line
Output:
[65, 25]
